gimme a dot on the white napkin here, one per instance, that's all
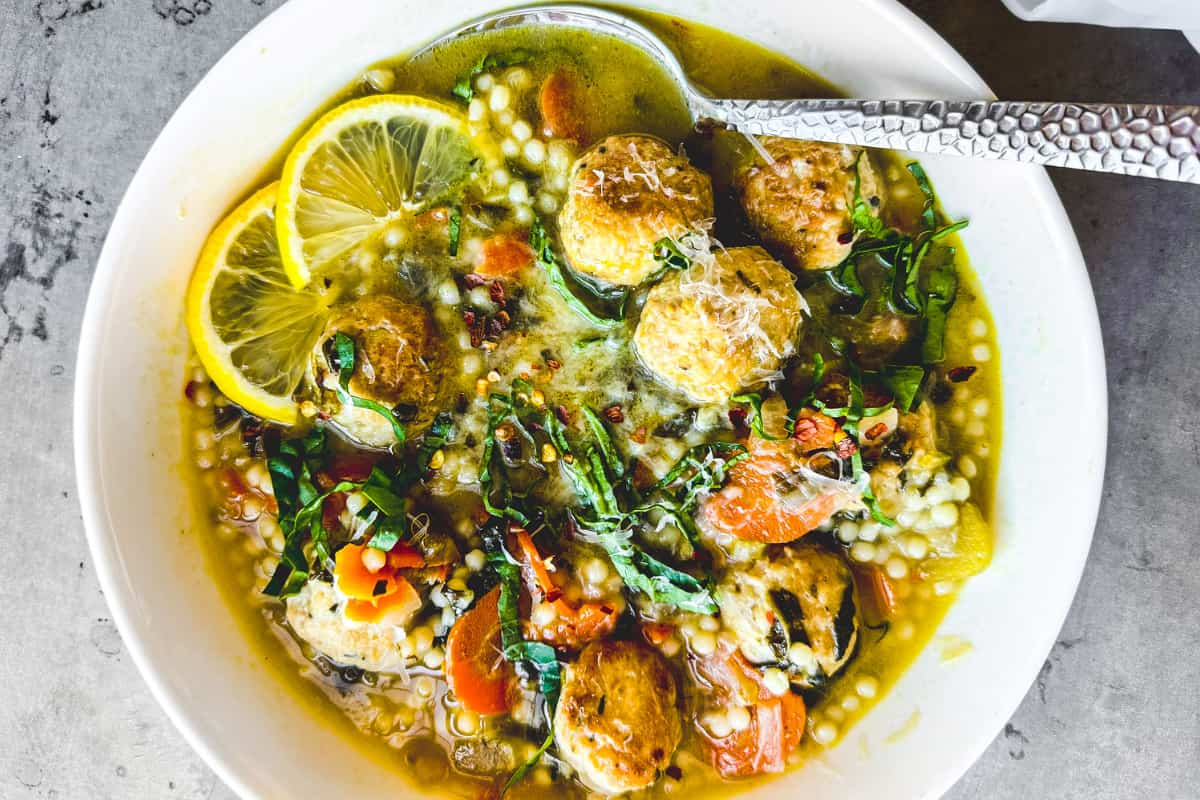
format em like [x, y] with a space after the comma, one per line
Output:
[1181, 15]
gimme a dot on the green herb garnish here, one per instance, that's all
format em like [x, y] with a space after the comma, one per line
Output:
[454, 229]
[557, 273]
[541, 657]
[344, 354]
[668, 254]
[909, 287]
[755, 402]
[464, 87]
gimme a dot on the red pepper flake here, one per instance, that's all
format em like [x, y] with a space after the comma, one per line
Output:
[563, 415]
[496, 293]
[960, 374]
[845, 447]
[606, 609]
[473, 280]
[737, 416]
[845, 238]
[553, 363]
[475, 326]
[639, 435]
[877, 430]
[614, 414]
[554, 595]
[674, 772]
[189, 391]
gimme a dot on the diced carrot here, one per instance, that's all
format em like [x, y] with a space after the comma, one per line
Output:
[356, 581]
[395, 608]
[816, 431]
[350, 467]
[574, 627]
[404, 556]
[776, 722]
[476, 668]
[561, 104]
[876, 594]
[657, 633]
[533, 560]
[503, 256]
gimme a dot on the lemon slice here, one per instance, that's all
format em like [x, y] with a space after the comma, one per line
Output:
[251, 328]
[363, 166]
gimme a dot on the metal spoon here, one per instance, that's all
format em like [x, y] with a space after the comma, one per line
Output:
[1151, 141]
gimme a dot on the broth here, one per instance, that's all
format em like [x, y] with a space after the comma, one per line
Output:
[413, 721]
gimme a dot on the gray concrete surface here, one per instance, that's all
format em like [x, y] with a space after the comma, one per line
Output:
[86, 84]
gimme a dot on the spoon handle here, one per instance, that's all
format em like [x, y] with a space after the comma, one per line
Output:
[1145, 140]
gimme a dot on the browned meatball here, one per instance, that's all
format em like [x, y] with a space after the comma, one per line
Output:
[722, 324]
[616, 721]
[626, 193]
[398, 364]
[796, 607]
[800, 205]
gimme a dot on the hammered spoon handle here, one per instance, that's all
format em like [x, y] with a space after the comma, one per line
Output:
[1150, 141]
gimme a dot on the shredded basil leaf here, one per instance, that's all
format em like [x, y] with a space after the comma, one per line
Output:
[644, 573]
[755, 402]
[464, 87]
[904, 382]
[542, 657]
[557, 271]
[592, 476]
[942, 289]
[454, 229]
[291, 464]
[668, 254]
[344, 352]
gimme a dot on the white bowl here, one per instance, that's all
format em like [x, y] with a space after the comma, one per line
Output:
[229, 703]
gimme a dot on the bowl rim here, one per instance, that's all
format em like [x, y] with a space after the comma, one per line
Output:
[101, 533]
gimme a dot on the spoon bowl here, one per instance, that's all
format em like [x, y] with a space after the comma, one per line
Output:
[1144, 140]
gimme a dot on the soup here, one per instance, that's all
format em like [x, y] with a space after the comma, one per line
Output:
[551, 446]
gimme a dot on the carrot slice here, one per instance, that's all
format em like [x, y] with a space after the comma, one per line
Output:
[751, 506]
[503, 256]
[395, 608]
[475, 665]
[356, 581]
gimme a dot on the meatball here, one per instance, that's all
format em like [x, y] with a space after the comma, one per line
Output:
[626, 193]
[728, 321]
[616, 721]
[796, 608]
[800, 205]
[314, 614]
[397, 363]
